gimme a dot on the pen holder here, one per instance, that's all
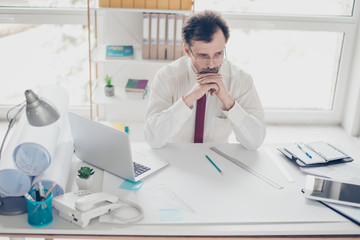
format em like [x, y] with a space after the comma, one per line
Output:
[39, 212]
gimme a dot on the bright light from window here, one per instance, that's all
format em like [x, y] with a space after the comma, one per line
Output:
[35, 55]
[291, 69]
[308, 7]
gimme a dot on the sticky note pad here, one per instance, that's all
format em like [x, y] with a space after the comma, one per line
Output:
[132, 186]
[170, 215]
[120, 126]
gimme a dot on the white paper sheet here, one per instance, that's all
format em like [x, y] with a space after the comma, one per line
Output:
[13, 182]
[18, 163]
[234, 197]
[58, 171]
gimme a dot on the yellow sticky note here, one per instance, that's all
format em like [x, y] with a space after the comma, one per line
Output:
[120, 126]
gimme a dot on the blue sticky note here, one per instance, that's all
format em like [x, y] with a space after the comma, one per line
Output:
[170, 215]
[132, 186]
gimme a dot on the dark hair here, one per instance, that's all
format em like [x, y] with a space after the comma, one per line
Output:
[202, 26]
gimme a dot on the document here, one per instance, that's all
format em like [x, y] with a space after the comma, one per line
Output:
[22, 162]
[162, 36]
[154, 35]
[178, 38]
[170, 41]
[146, 36]
[189, 191]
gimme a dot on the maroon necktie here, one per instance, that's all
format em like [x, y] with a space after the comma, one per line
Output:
[199, 121]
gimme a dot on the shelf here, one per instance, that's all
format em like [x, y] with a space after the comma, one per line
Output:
[98, 56]
[143, 10]
[120, 97]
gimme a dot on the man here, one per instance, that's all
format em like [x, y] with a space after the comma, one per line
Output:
[204, 75]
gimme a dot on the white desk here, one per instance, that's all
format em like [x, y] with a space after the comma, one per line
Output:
[60, 227]
[10, 226]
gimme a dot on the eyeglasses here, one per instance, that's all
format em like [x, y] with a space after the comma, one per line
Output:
[204, 59]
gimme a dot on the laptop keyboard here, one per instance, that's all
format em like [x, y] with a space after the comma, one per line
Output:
[140, 169]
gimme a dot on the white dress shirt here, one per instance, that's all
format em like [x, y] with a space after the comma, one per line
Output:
[169, 119]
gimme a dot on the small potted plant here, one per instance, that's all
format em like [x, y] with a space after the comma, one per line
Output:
[85, 177]
[109, 88]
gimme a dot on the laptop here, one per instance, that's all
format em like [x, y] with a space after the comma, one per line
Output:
[109, 149]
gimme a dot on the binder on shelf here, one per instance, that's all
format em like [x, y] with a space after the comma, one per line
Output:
[178, 37]
[139, 3]
[161, 36]
[104, 3]
[186, 4]
[153, 35]
[170, 38]
[163, 4]
[174, 4]
[146, 36]
[314, 154]
[151, 4]
[115, 3]
[127, 3]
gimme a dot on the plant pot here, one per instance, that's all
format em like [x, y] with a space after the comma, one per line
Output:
[84, 183]
[109, 90]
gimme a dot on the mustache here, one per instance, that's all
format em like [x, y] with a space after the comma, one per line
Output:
[210, 70]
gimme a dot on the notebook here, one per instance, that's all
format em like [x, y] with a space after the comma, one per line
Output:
[314, 154]
[109, 149]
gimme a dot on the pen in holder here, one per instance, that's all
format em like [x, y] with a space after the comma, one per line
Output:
[39, 212]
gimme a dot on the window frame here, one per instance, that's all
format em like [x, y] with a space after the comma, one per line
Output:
[346, 24]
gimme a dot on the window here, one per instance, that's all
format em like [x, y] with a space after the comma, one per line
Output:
[43, 42]
[298, 52]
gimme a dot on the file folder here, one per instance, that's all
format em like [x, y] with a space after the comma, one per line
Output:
[178, 37]
[146, 36]
[153, 35]
[174, 4]
[170, 38]
[104, 3]
[186, 4]
[139, 3]
[151, 4]
[163, 4]
[115, 3]
[161, 36]
[128, 3]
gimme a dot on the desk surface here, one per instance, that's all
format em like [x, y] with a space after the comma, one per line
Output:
[18, 224]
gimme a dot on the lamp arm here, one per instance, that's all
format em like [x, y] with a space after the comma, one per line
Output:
[11, 124]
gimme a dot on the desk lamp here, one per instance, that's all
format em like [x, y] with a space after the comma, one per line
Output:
[39, 113]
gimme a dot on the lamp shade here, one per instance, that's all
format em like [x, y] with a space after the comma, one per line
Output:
[39, 112]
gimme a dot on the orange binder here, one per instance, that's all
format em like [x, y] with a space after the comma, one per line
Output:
[174, 4]
[151, 4]
[139, 3]
[186, 4]
[161, 36]
[170, 37]
[104, 3]
[146, 36]
[115, 3]
[127, 3]
[163, 4]
[178, 37]
[153, 35]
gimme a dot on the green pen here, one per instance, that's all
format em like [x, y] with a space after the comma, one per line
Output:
[213, 164]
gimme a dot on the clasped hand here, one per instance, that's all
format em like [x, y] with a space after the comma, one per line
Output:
[209, 82]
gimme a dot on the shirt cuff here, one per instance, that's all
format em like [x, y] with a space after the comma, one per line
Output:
[236, 113]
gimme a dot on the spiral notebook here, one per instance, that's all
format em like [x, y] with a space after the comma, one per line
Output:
[314, 154]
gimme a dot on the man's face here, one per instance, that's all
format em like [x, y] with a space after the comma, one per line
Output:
[207, 57]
